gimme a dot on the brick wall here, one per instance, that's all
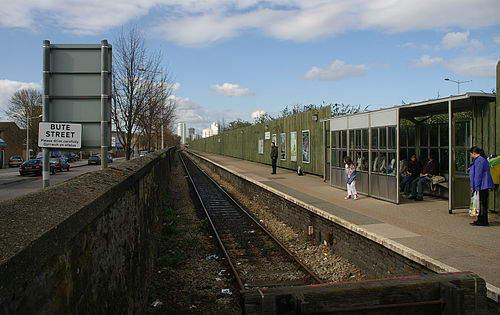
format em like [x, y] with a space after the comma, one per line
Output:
[15, 139]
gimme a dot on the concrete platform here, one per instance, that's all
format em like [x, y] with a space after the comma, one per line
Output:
[422, 231]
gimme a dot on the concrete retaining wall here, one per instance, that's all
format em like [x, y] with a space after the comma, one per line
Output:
[85, 246]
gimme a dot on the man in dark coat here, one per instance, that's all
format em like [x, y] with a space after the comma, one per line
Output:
[274, 156]
[412, 173]
[430, 168]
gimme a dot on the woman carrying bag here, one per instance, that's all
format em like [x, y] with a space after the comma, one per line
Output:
[480, 182]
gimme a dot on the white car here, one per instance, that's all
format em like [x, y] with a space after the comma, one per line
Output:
[143, 153]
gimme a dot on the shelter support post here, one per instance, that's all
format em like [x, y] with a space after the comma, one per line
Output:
[451, 156]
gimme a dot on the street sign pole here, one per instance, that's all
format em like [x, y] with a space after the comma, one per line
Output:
[105, 110]
[45, 103]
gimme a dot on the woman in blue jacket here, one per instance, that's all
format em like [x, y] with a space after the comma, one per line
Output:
[481, 181]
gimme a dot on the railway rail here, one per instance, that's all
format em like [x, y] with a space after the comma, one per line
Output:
[256, 258]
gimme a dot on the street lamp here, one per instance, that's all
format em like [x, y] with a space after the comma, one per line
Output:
[27, 131]
[458, 83]
[162, 105]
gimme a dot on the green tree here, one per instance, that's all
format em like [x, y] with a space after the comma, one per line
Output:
[238, 123]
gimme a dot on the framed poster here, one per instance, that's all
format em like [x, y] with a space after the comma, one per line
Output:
[306, 152]
[261, 146]
[267, 135]
[283, 146]
[293, 146]
[273, 139]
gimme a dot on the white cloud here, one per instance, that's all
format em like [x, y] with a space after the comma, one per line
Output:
[461, 39]
[408, 45]
[230, 89]
[336, 71]
[192, 22]
[472, 66]
[256, 114]
[427, 61]
[474, 45]
[7, 89]
[453, 40]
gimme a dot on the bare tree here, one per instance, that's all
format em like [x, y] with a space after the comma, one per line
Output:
[159, 112]
[136, 92]
[25, 108]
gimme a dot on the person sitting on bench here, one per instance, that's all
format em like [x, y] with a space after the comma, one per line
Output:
[430, 168]
[412, 173]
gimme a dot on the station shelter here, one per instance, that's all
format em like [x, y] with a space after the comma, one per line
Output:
[380, 141]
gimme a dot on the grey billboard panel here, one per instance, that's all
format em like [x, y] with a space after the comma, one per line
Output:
[92, 138]
[72, 84]
[73, 110]
[70, 58]
[76, 85]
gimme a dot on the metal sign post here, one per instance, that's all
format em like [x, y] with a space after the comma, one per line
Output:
[45, 103]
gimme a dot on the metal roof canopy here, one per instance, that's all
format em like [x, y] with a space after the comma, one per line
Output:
[459, 103]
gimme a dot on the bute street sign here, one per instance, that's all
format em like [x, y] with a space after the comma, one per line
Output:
[60, 135]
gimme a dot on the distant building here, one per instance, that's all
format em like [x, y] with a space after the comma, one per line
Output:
[205, 133]
[212, 131]
[214, 127]
[181, 132]
[12, 142]
[191, 133]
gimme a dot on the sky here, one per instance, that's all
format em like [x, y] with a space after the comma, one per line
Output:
[235, 59]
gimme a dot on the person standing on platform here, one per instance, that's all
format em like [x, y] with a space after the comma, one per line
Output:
[350, 178]
[274, 156]
[480, 181]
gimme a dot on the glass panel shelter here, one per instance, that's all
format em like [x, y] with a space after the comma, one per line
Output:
[379, 142]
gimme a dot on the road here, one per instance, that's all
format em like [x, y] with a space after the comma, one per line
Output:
[14, 185]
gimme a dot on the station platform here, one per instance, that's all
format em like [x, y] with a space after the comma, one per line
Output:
[422, 230]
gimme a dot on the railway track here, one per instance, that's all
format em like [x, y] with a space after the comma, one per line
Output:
[256, 258]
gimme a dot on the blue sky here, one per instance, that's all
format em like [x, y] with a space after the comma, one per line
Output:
[232, 59]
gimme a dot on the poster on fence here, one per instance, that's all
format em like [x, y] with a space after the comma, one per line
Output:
[273, 139]
[306, 152]
[261, 146]
[283, 146]
[293, 146]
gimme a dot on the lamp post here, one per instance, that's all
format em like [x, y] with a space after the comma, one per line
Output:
[458, 83]
[158, 72]
[28, 118]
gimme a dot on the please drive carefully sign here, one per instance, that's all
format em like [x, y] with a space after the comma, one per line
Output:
[59, 135]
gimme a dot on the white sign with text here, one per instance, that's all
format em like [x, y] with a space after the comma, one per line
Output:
[59, 135]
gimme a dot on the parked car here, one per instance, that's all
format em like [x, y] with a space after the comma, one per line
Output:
[52, 154]
[71, 157]
[143, 153]
[95, 159]
[60, 164]
[15, 161]
[34, 167]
